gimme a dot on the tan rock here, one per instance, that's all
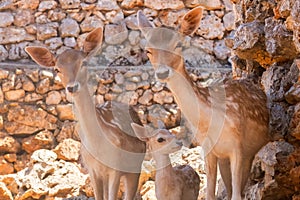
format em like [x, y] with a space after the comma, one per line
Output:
[14, 95]
[5, 194]
[164, 4]
[5, 167]
[9, 145]
[11, 157]
[68, 150]
[42, 140]
[32, 116]
[65, 112]
[53, 98]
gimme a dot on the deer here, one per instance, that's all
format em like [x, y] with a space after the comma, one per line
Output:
[229, 120]
[110, 150]
[171, 183]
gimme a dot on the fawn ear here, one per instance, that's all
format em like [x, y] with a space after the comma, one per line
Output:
[41, 56]
[93, 41]
[143, 23]
[191, 21]
[140, 131]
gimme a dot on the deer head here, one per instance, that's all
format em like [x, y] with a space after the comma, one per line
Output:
[160, 140]
[69, 63]
[164, 46]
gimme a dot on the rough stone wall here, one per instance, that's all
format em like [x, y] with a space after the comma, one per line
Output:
[59, 25]
[265, 44]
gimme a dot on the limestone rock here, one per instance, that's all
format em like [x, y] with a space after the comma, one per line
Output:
[130, 4]
[91, 23]
[107, 5]
[69, 4]
[69, 28]
[146, 98]
[14, 95]
[68, 150]
[115, 33]
[5, 167]
[5, 193]
[163, 97]
[7, 19]
[14, 35]
[164, 4]
[211, 27]
[9, 145]
[46, 31]
[42, 140]
[23, 18]
[47, 5]
[65, 112]
[32, 116]
[57, 178]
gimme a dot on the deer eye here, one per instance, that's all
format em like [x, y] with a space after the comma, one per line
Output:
[148, 52]
[160, 140]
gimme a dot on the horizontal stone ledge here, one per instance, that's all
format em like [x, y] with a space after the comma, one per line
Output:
[10, 65]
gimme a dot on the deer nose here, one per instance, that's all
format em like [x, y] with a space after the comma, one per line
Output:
[162, 73]
[179, 143]
[73, 88]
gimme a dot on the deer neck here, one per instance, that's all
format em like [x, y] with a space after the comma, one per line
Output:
[86, 115]
[163, 164]
[192, 103]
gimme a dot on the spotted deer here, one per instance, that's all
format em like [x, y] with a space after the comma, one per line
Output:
[171, 183]
[110, 149]
[229, 120]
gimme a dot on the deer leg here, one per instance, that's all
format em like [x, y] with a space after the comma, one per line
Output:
[131, 185]
[236, 173]
[247, 164]
[211, 174]
[97, 184]
[113, 185]
[224, 165]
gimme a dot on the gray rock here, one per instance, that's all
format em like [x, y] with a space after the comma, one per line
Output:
[211, 27]
[3, 53]
[69, 4]
[115, 33]
[70, 41]
[14, 35]
[69, 28]
[90, 23]
[47, 5]
[6, 19]
[164, 4]
[54, 43]
[23, 18]
[107, 5]
[46, 31]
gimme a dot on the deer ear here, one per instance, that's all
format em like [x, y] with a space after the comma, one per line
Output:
[140, 131]
[143, 23]
[41, 56]
[191, 21]
[93, 41]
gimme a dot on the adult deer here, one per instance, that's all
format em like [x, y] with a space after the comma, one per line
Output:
[230, 121]
[110, 149]
[171, 183]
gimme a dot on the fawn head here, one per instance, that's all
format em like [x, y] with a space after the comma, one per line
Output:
[69, 63]
[160, 140]
[164, 46]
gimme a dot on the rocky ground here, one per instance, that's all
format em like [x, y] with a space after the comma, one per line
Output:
[51, 174]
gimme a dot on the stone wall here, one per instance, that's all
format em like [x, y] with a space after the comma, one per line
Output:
[265, 44]
[59, 25]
